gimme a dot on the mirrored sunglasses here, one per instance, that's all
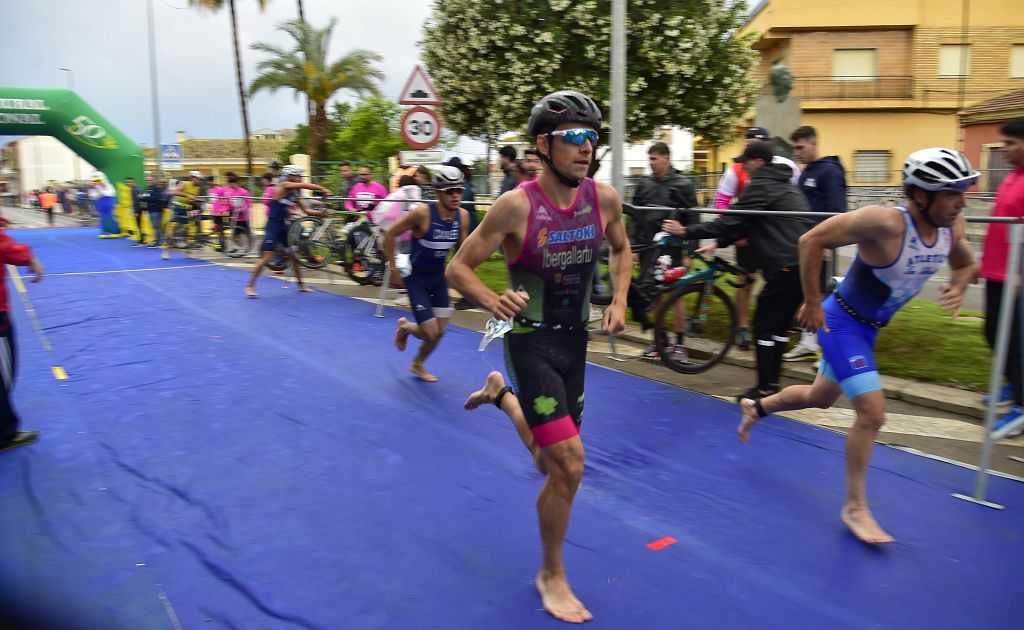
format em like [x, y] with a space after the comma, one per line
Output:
[962, 184]
[577, 136]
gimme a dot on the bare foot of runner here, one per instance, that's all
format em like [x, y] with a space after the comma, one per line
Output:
[864, 526]
[251, 292]
[305, 289]
[422, 372]
[401, 334]
[558, 599]
[486, 394]
[748, 421]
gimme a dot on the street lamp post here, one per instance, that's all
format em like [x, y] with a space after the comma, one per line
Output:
[70, 77]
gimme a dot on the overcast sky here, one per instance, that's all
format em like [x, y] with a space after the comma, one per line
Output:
[105, 44]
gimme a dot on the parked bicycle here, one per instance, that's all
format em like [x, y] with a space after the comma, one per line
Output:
[691, 304]
[358, 246]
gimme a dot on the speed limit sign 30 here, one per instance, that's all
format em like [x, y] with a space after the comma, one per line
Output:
[421, 128]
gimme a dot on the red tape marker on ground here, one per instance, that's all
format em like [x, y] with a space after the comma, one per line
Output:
[661, 543]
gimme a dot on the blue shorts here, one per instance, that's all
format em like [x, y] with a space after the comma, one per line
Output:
[275, 234]
[428, 295]
[847, 352]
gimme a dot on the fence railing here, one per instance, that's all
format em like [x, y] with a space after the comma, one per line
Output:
[829, 88]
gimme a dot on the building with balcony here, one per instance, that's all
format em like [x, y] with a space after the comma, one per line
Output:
[880, 79]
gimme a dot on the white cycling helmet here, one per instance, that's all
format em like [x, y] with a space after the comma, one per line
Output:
[939, 169]
[291, 169]
[447, 177]
[195, 174]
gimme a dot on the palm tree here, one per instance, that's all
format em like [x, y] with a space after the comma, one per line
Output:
[305, 69]
[217, 5]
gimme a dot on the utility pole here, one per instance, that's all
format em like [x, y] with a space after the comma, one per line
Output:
[152, 84]
[618, 95]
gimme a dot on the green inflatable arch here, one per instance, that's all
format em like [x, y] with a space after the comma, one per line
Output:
[64, 115]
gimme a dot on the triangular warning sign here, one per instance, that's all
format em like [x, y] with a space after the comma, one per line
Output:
[418, 90]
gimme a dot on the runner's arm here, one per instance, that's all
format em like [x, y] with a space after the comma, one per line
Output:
[961, 262]
[414, 220]
[507, 214]
[620, 259]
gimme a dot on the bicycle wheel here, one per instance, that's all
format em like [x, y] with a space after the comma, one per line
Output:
[238, 242]
[312, 251]
[705, 316]
[179, 237]
[367, 266]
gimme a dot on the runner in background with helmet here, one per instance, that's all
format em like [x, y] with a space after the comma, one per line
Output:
[286, 195]
[436, 227]
[551, 230]
[898, 250]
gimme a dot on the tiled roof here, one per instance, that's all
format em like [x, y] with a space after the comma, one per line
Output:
[1010, 101]
[201, 149]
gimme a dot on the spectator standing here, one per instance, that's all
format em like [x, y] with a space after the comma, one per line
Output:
[137, 209]
[733, 181]
[823, 182]
[47, 200]
[507, 164]
[12, 253]
[422, 179]
[348, 178]
[367, 193]
[770, 187]
[667, 187]
[995, 252]
[153, 201]
[531, 160]
[102, 194]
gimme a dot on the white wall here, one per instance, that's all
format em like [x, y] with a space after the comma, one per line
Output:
[44, 159]
[680, 142]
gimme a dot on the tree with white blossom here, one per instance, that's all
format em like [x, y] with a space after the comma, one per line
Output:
[491, 61]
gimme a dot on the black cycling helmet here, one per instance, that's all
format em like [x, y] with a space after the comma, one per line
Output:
[560, 107]
[557, 108]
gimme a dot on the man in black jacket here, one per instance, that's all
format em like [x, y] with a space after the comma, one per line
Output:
[667, 187]
[777, 245]
[137, 209]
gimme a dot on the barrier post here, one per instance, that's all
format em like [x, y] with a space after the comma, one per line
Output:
[385, 281]
[1006, 308]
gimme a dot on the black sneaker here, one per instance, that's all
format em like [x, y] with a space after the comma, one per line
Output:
[756, 394]
[21, 438]
[743, 338]
[463, 304]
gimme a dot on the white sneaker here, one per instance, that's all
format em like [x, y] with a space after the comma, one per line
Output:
[652, 352]
[402, 300]
[801, 352]
[679, 354]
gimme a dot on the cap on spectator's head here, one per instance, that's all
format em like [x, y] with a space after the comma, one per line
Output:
[455, 161]
[760, 133]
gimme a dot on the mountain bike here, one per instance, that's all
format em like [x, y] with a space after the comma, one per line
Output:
[699, 309]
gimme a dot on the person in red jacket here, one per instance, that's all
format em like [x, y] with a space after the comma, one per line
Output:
[11, 253]
[995, 252]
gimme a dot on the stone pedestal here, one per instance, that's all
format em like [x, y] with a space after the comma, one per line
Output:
[781, 119]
